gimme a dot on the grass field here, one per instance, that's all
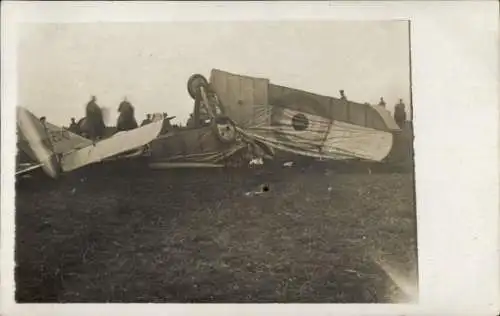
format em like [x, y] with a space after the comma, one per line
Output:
[198, 236]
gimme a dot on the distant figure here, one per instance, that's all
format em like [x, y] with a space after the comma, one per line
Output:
[73, 127]
[342, 95]
[190, 122]
[167, 126]
[147, 120]
[400, 113]
[382, 102]
[93, 124]
[43, 120]
[126, 119]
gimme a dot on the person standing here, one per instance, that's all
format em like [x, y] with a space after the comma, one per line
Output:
[147, 120]
[94, 119]
[400, 113]
[382, 102]
[73, 127]
[126, 119]
[342, 95]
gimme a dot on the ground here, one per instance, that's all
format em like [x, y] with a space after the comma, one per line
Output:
[318, 234]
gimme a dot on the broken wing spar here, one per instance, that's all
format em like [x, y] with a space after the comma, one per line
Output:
[57, 150]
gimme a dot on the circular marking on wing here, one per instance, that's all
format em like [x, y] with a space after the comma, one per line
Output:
[300, 122]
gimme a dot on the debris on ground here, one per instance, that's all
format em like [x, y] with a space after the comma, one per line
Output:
[288, 164]
[263, 189]
[256, 161]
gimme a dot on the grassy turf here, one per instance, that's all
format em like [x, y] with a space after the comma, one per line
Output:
[199, 236]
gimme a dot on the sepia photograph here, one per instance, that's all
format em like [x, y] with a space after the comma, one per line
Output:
[217, 161]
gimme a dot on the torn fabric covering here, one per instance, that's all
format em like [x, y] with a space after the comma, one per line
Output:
[194, 145]
[316, 136]
[239, 93]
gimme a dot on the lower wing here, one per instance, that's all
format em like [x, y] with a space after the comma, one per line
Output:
[120, 143]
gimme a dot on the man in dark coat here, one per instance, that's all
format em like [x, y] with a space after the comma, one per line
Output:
[126, 119]
[73, 127]
[400, 113]
[94, 120]
[147, 120]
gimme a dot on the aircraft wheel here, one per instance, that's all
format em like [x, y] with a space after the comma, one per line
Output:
[194, 83]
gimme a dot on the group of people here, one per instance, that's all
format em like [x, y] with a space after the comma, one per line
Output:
[399, 111]
[93, 126]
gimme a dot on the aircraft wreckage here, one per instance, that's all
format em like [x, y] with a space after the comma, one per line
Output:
[235, 118]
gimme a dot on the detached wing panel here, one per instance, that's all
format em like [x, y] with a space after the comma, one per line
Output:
[118, 144]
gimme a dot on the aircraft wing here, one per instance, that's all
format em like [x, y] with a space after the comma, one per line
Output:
[313, 135]
[119, 143]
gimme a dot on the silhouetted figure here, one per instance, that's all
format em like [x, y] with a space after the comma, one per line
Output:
[93, 125]
[400, 113]
[167, 126]
[382, 102]
[73, 127]
[190, 122]
[43, 120]
[342, 95]
[126, 119]
[147, 120]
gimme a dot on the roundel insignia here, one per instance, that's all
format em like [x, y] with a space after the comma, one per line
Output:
[297, 113]
[300, 122]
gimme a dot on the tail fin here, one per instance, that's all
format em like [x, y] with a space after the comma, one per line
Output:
[35, 138]
[64, 141]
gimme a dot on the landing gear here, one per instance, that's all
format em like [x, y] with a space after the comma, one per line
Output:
[195, 82]
[207, 105]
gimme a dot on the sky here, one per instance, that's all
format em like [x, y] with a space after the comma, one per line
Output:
[60, 66]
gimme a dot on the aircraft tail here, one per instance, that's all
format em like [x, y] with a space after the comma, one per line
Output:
[33, 137]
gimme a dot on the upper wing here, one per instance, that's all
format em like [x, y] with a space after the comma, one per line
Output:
[119, 143]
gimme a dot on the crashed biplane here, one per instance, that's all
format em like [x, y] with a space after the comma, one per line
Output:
[235, 119]
[240, 116]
